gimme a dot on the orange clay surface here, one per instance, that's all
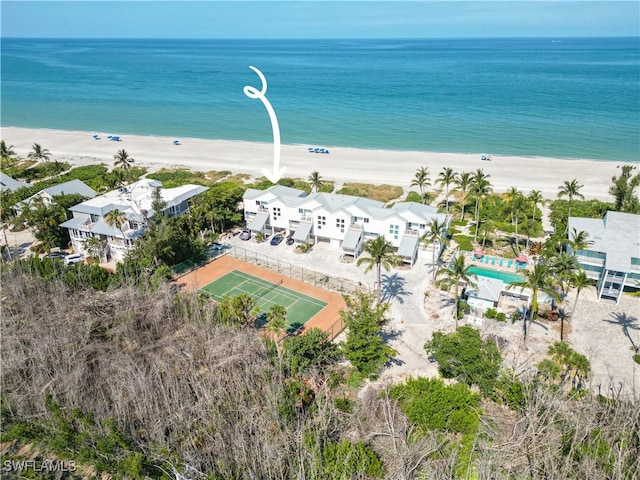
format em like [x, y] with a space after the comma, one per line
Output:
[324, 319]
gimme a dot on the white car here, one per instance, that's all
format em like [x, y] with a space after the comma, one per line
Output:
[73, 258]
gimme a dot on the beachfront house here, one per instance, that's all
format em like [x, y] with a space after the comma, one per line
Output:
[613, 257]
[344, 221]
[134, 202]
[72, 187]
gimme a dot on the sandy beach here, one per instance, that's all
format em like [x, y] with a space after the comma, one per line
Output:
[341, 165]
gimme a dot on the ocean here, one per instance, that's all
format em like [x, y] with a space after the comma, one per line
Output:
[568, 98]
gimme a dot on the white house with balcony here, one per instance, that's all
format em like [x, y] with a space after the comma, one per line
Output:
[134, 202]
[344, 221]
[613, 258]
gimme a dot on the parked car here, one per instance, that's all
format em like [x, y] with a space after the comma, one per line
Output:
[290, 239]
[73, 258]
[246, 234]
[276, 239]
[55, 255]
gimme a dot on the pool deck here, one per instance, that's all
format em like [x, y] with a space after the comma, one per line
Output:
[495, 266]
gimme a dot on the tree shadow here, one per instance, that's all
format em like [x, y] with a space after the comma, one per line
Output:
[627, 322]
[393, 288]
[388, 334]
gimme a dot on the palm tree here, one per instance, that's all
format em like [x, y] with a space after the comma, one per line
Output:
[6, 151]
[579, 240]
[516, 207]
[579, 281]
[564, 267]
[509, 197]
[433, 234]
[276, 323]
[537, 280]
[421, 180]
[535, 197]
[457, 272]
[38, 153]
[315, 180]
[116, 218]
[486, 229]
[123, 160]
[570, 189]
[480, 188]
[463, 183]
[380, 255]
[447, 177]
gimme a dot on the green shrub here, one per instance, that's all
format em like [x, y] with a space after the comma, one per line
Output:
[432, 405]
[491, 313]
[348, 460]
[636, 358]
[464, 355]
[501, 317]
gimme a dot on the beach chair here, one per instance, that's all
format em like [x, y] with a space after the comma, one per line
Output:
[493, 260]
[500, 262]
[96, 137]
[486, 259]
[509, 263]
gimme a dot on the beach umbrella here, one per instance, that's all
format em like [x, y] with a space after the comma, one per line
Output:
[521, 259]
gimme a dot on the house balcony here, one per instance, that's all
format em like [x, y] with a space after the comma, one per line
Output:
[262, 209]
[412, 232]
[306, 218]
[356, 226]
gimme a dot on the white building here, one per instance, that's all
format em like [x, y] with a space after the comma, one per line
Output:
[134, 202]
[344, 221]
[72, 187]
[613, 258]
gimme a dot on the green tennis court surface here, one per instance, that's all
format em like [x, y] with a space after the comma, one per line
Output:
[300, 308]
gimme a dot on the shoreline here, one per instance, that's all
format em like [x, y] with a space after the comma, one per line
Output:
[343, 164]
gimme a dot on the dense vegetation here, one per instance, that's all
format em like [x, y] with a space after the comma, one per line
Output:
[142, 381]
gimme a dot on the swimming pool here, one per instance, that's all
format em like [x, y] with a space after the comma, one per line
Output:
[506, 277]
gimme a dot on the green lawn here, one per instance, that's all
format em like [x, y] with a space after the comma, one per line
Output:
[300, 308]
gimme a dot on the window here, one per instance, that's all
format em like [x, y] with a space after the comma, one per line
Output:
[340, 222]
[422, 226]
[366, 219]
[321, 221]
[276, 213]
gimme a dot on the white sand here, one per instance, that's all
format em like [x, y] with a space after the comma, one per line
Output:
[341, 165]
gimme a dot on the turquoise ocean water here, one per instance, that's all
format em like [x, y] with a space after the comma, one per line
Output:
[574, 98]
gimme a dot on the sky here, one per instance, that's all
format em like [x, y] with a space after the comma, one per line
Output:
[317, 19]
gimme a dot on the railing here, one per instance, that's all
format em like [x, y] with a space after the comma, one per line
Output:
[356, 226]
[263, 209]
[306, 218]
[411, 231]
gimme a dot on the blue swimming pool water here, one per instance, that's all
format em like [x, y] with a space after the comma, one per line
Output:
[506, 277]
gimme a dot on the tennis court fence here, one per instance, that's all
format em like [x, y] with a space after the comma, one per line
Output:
[339, 285]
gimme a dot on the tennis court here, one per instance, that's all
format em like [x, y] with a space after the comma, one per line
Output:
[300, 308]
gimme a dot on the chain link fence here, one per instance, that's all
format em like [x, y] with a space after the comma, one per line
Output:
[339, 285]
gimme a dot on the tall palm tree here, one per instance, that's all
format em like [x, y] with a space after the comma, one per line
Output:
[480, 188]
[509, 197]
[536, 198]
[6, 151]
[434, 233]
[276, 323]
[380, 255]
[38, 153]
[487, 228]
[421, 180]
[463, 184]
[571, 190]
[516, 208]
[123, 160]
[116, 218]
[446, 177]
[458, 271]
[315, 180]
[579, 281]
[563, 268]
[537, 280]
